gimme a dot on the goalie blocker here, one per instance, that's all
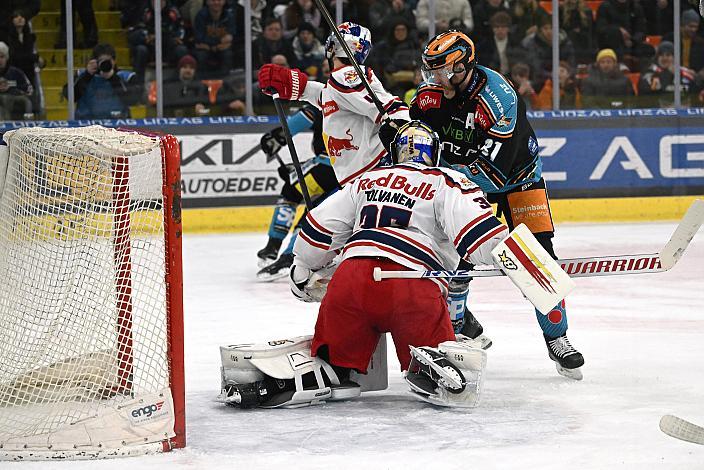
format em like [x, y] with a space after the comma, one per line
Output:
[531, 268]
[521, 257]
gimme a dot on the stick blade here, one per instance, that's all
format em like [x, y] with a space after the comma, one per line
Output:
[682, 429]
[685, 231]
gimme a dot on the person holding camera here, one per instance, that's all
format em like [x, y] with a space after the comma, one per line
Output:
[102, 91]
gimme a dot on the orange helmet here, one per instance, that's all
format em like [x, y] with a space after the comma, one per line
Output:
[445, 51]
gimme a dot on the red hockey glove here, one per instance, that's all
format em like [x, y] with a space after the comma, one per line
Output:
[288, 83]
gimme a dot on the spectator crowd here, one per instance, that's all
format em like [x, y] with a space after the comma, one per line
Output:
[612, 53]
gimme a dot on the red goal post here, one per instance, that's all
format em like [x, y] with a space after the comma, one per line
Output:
[91, 311]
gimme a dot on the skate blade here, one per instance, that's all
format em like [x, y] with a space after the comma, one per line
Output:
[481, 341]
[574, 374]
[269, 277]
[344, 393]
[450, 381]
[264, 262]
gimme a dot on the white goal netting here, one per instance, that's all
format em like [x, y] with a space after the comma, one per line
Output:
[84, 349]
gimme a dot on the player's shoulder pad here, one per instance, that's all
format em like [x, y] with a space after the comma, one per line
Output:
[458, 179]
[347, 80]
[428, 96]
[447, 176]
[497, 95]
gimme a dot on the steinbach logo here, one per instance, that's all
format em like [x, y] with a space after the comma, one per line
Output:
[148, 410]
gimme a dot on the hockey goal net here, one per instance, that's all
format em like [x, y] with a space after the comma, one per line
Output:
[91, 327]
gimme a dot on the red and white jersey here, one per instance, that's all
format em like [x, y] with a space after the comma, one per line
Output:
[351, 121]
[424, 218]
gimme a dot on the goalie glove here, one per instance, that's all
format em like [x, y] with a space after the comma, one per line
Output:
[288, 83]
[299, 279]
[308, 285]
[272, 141]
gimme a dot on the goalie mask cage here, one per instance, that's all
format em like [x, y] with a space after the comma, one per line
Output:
[91, 317]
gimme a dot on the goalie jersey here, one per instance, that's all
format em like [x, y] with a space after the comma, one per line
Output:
[351, 121]
[424, 218]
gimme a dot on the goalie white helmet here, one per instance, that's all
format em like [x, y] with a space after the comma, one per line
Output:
[358, 39]
[416, 142]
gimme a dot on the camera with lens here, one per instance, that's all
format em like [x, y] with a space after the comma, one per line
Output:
[105, 65]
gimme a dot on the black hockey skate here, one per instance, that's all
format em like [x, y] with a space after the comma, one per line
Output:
[263, 392]
[269, 253]
[277, 270]
[567, 359]
[473, 329]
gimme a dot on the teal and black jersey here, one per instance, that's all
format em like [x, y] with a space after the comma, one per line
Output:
[484, 131]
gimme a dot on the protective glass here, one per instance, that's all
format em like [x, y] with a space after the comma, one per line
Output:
[437, 76]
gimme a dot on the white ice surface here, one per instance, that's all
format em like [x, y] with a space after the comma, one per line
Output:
[642, 338]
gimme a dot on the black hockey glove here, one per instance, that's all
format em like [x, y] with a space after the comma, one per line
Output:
[272, 141]
[387, 132]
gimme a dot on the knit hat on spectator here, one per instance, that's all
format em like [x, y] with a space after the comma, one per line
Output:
[500, 19]
[606, 53]
[666, 47]
[187, 60]
[4, 49]
[306, 27]
[690, 16]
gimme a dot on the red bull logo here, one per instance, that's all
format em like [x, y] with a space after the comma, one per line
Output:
[336, 145]
[351, 76]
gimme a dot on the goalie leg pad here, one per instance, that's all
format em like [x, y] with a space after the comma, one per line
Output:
[450, 375]
[278, 374]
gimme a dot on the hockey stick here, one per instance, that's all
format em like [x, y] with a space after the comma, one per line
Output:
[592, 266]
[333, 27]
[682, 429]
[292, 149]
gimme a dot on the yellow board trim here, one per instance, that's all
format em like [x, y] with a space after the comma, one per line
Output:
[627, 209]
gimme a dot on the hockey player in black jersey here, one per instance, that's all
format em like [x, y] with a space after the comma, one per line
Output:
[320, 180]
[485, 134]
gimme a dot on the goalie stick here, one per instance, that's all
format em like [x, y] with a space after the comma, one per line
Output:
[682, 429]
[593, 266]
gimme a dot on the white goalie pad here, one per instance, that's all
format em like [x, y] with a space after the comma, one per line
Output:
[450, 375]
[282, 359]
[377, 376]
[532, 269]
